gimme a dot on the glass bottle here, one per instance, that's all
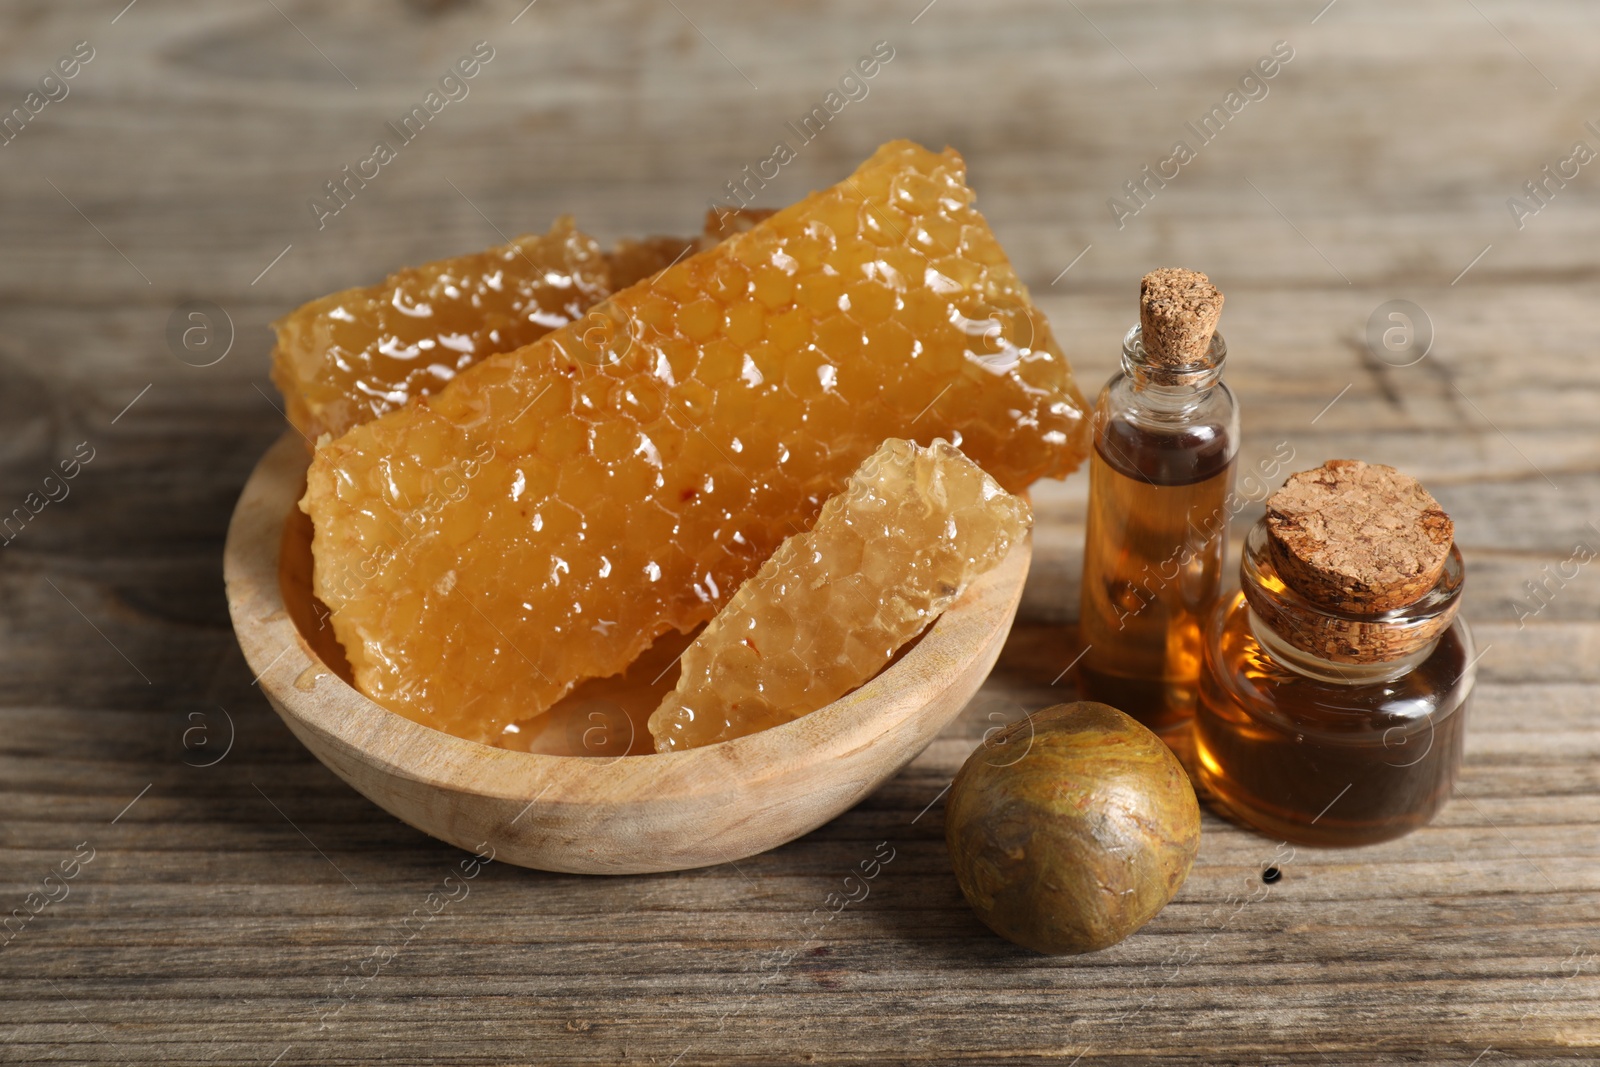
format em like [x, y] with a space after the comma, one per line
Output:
[1323, 751]
[1165, 434]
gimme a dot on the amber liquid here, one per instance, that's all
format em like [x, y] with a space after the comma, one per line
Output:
[1152, 568]
[1326, 763]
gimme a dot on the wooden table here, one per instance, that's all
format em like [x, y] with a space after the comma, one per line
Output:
[227, 908]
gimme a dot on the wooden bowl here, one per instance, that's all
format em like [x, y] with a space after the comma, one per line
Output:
[619, 815]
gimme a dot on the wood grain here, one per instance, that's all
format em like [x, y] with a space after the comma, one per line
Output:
[223, 913]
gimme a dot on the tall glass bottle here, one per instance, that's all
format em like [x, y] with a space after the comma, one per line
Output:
[1165, 433]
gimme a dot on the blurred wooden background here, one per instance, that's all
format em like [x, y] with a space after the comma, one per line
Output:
[228, 910]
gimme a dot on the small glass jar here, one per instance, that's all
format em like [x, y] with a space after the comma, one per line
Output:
[1356, 742]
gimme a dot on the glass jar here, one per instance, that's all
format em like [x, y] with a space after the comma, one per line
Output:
[1160, 475]
[1332, 747]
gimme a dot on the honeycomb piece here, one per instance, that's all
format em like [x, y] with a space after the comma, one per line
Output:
[354, 355]
[357, 354]
[832, 605]
[547, 515]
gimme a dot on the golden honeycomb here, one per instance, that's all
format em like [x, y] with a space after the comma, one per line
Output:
[359, 353]
[831, 606]
[548, 514]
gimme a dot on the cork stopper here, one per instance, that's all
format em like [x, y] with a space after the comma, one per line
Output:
[1366, 560]
[1178, 313]
[1356, 537]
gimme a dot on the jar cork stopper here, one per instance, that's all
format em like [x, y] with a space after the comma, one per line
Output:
[1356, 537]
[1178, 313]
[1370, 550]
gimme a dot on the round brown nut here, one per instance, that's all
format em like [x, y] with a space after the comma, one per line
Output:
[1360, 538]
[1071, 828]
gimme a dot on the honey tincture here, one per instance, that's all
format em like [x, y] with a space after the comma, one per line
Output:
[1334, 698]
[1165, 434]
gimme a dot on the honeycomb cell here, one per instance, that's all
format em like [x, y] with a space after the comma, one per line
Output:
[832, 605]
[496, 628]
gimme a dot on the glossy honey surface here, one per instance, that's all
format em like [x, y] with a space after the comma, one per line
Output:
[833, 604]
[549, 513]
[359, 353]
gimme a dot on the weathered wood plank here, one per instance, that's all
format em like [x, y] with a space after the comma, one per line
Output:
[208, 929]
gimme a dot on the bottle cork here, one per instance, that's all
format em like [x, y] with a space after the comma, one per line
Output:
[1178, 313]
[1359, 538]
